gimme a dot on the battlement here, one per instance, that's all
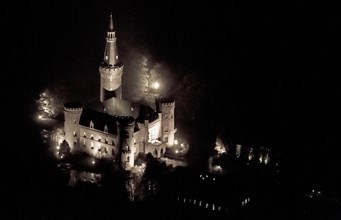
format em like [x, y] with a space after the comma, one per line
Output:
[110, 67]
[166, 104]
[126, 120]
[73, 107]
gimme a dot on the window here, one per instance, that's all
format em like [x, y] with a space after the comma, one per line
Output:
[84, 143]
[99, 138]
[105, 128]
[161, 150]
[91, 125]
[128, 159]
[166, 139]
[113, 152]
[92, 145]
[113, 142]
[106, 140]
[84, 134]
[74, 134]
[92, 136]
[75, 143]
[165, 129]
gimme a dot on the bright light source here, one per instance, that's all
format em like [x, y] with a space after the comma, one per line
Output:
[175, 142]
[57, 147]
[40, 116]
[156, 85]
[93, 162]
[176, 151]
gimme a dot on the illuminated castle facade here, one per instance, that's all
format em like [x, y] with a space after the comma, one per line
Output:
[117, 129]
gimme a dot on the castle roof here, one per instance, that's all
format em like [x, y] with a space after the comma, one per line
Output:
[146, 113]
[99, 120]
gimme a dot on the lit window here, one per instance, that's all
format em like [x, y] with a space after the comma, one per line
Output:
[91, 125]
[105, 128]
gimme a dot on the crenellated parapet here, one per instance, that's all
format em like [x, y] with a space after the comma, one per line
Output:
[164, 104]
[73, 107]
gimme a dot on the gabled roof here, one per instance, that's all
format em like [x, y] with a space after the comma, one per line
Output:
[99, 119]
[146, 113]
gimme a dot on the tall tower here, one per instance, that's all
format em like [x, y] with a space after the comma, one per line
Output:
[125, 125]
[72, 114]
[166, 107]
[111, 69]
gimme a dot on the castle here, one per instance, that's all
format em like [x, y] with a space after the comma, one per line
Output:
[117, 129]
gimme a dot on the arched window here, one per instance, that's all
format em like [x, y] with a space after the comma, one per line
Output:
[91, 125]
[105, 128]
[161, 151]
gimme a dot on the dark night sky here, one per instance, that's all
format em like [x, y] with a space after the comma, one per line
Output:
[270, 69]
[270, 66]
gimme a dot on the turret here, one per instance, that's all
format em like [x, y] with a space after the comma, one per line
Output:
[111, 69]
[72, 114]
[166, 107]
[125, 136]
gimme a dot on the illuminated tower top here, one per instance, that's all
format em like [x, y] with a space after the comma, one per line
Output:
[110, 52]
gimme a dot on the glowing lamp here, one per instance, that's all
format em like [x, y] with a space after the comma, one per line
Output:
[156, 85]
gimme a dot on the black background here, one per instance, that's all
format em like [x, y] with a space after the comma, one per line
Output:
[271, 69]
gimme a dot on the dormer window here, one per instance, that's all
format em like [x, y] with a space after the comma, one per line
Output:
[105, 128]
[91, 125]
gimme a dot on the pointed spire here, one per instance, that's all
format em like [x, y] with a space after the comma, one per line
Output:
[111, 23]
